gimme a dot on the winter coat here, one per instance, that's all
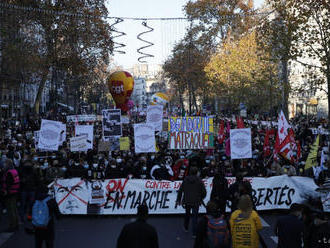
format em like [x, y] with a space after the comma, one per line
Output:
[193, 190]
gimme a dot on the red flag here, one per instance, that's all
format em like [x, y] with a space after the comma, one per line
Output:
[266, 144]
[228, 140]
[221, 133]
[298, 150]
[288, 146]
[239, 122]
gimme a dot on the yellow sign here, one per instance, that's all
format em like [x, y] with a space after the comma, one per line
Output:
[313, 101]
[124, 143]
[312, 156]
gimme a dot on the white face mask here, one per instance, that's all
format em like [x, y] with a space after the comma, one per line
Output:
[152, 157]
[95, 165]
[118, 160]
[86, 166]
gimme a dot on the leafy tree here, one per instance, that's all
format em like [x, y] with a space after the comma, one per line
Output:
[72, 37]
[243, 72]
[300, 33]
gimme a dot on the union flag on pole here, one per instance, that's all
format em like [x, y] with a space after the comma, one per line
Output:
[288, 147]
[221, 133]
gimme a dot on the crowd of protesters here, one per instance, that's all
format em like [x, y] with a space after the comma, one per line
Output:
[35, 169]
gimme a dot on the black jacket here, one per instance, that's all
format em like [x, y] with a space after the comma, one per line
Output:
[219, 193]
[138, 234]
[193, 190]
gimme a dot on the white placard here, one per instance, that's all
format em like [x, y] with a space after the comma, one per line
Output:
[86, 130]
[144, 138]
[124, 119]
[49, 135]
[240, 143]
[122, 196]
[78, 143]
[111, 123]
[155, 116]
[79, 118]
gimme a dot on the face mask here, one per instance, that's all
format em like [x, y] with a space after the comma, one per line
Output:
[64, 169]
[143, 176]
[144, 168]
[53, 157]
[152, 157]
[118, 160]
[182, 157]
[86, 166]
[35, 158]
[76, 164]
[95, 165]
[207, 161]
[113, 166]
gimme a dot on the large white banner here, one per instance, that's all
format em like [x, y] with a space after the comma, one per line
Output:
[155, 116]
[144, 138]
[240, 143]
[122, 196]
[86, 130]
[50, 135]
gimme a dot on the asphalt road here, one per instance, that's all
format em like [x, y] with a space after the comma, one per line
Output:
[102, 232]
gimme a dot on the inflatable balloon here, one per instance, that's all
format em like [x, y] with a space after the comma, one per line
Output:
[159, 98]
[121, 84]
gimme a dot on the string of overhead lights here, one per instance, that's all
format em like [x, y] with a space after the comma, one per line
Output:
[77, 15]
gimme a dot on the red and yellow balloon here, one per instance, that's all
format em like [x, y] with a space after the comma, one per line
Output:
[121, 84]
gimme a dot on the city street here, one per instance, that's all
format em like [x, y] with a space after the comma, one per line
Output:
[102, 232]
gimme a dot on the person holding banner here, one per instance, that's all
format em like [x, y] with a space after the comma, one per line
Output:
[194, 192]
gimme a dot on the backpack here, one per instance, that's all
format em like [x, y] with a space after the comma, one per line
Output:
[217, 232]
[40, 213]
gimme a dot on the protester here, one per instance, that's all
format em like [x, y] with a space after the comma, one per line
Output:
[212, 229]
[138, 234]
[43, 219]
[319, 235]
[30, 181]
[245, 224]
[289, 228]
[193, 192]
[10, 191]
[219, 193]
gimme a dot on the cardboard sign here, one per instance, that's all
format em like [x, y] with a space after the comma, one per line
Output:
[124, 143]
[86, 130]
[104, 146]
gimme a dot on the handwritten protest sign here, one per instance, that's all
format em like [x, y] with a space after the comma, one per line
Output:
[86, 130]
[191, 132]
[78, 143]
